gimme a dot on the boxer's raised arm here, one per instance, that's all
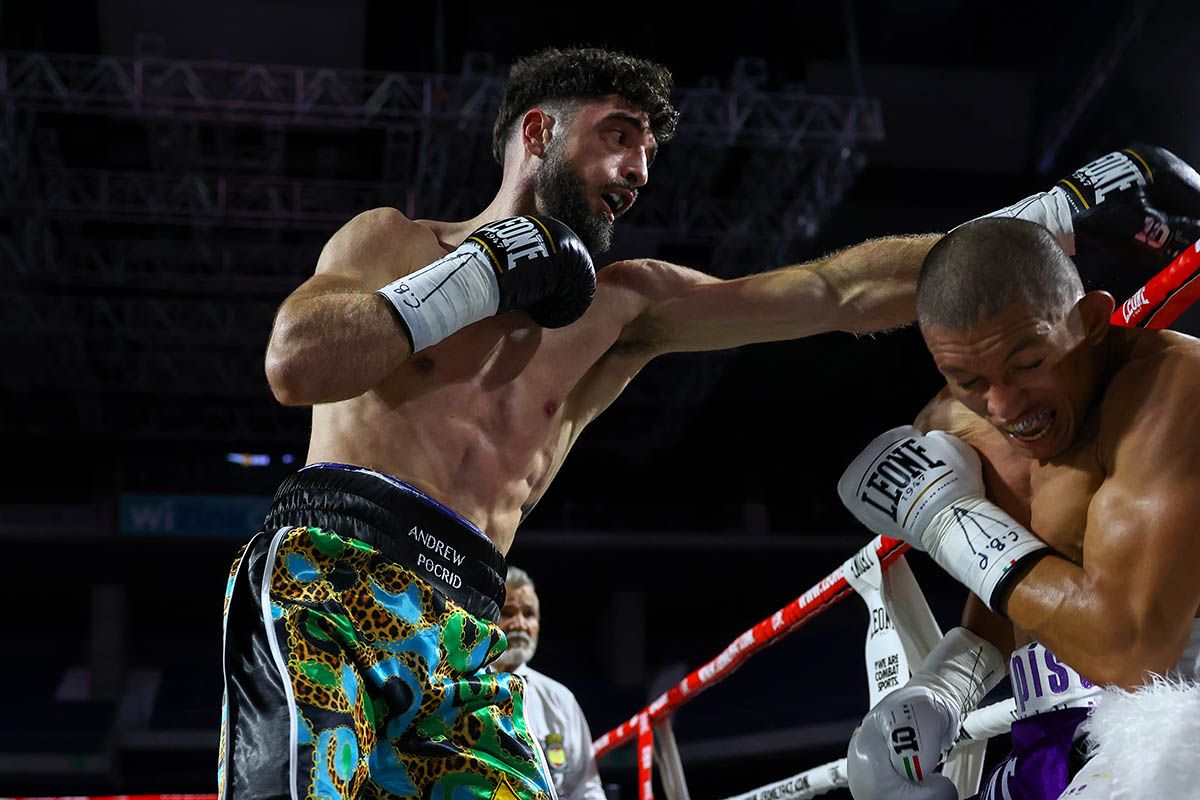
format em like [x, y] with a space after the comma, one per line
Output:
[1130, 606]
[377, 297]
[335, 337]
[1006, 478]
[861, 289]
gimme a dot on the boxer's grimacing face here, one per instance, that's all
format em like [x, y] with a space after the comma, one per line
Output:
[1031, 377]
[594, 166]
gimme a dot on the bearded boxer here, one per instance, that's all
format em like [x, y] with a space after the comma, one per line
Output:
[451, 366]
[1058, 481]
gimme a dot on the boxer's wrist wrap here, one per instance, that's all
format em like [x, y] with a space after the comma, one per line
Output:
[435, 301]
[962, 668]
[980, 545]
[1051, 209]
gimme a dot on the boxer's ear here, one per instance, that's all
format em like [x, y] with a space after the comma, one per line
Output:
[536, 128]
[1095, 310]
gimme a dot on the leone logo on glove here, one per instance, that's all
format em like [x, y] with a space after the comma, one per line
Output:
[519, 238]
[1089, 185]
[900, 466]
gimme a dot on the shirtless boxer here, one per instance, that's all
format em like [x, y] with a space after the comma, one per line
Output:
[1088, 438]
[359, 621]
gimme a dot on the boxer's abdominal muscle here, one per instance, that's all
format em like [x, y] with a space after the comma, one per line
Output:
[483, 421]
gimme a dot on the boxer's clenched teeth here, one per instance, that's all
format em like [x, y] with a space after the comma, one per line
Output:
[1032, 427]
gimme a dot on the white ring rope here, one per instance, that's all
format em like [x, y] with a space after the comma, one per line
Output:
[901, 631]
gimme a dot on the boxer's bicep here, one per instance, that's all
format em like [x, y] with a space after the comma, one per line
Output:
[1142, 543]
[335, 337]
[707, 313]
[1141, 561]
[371, 250]
[684, 310]
[864, 288]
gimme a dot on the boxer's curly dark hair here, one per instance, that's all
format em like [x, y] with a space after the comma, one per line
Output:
[585, 74]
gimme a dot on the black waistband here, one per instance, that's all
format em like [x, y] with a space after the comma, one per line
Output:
[405, 525]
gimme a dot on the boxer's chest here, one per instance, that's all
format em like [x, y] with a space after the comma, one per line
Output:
[1062, 491]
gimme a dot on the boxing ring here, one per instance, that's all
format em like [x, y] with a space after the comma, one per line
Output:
[901, 631]
[901, 628]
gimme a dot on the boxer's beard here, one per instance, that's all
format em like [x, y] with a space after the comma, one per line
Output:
[559, 192]
[520, 650]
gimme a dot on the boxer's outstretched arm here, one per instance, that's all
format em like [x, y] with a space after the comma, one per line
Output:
[868, 287]
[1129, 608]
[334, 337]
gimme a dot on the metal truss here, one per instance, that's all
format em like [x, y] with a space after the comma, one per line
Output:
[162, 336]
[281, 95]
[155, 267]
[15, 138]
[178, 146]
[146, 321]
[781, 202]
[236, 200]
[166, 419]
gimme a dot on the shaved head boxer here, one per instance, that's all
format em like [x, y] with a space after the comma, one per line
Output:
[1058, 478]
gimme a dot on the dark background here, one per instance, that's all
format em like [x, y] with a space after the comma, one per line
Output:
[138, 287]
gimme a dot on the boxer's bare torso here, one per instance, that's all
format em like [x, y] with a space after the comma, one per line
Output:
[483, 420]
[1061, 498]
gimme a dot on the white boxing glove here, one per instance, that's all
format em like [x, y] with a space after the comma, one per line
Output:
[927, 489]
[900, 743]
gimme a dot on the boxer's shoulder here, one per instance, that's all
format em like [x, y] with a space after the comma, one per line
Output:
[944, 413]
[650, 278]
[448, 235]
[387, 222]
[1153, 365]
[1153, 391]
[382, 240]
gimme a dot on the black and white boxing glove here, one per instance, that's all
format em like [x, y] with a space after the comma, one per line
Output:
[893, 755]
[927, 489]
[532, 263]
[1142, 200]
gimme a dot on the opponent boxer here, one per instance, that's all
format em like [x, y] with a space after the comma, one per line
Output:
[451, 366]
[1087, 435]
[551, 710]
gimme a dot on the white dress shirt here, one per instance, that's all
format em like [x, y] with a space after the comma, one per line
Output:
[556, 721]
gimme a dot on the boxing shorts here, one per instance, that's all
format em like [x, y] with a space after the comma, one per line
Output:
[1049, 749]
[357, 627]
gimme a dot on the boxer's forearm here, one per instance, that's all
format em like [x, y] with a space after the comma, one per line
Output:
[333, 347]
[987, 624]
[865, 288]
[874, 284]
[1097, 632]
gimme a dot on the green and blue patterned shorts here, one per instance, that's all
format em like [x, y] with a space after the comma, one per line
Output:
[349, 675]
